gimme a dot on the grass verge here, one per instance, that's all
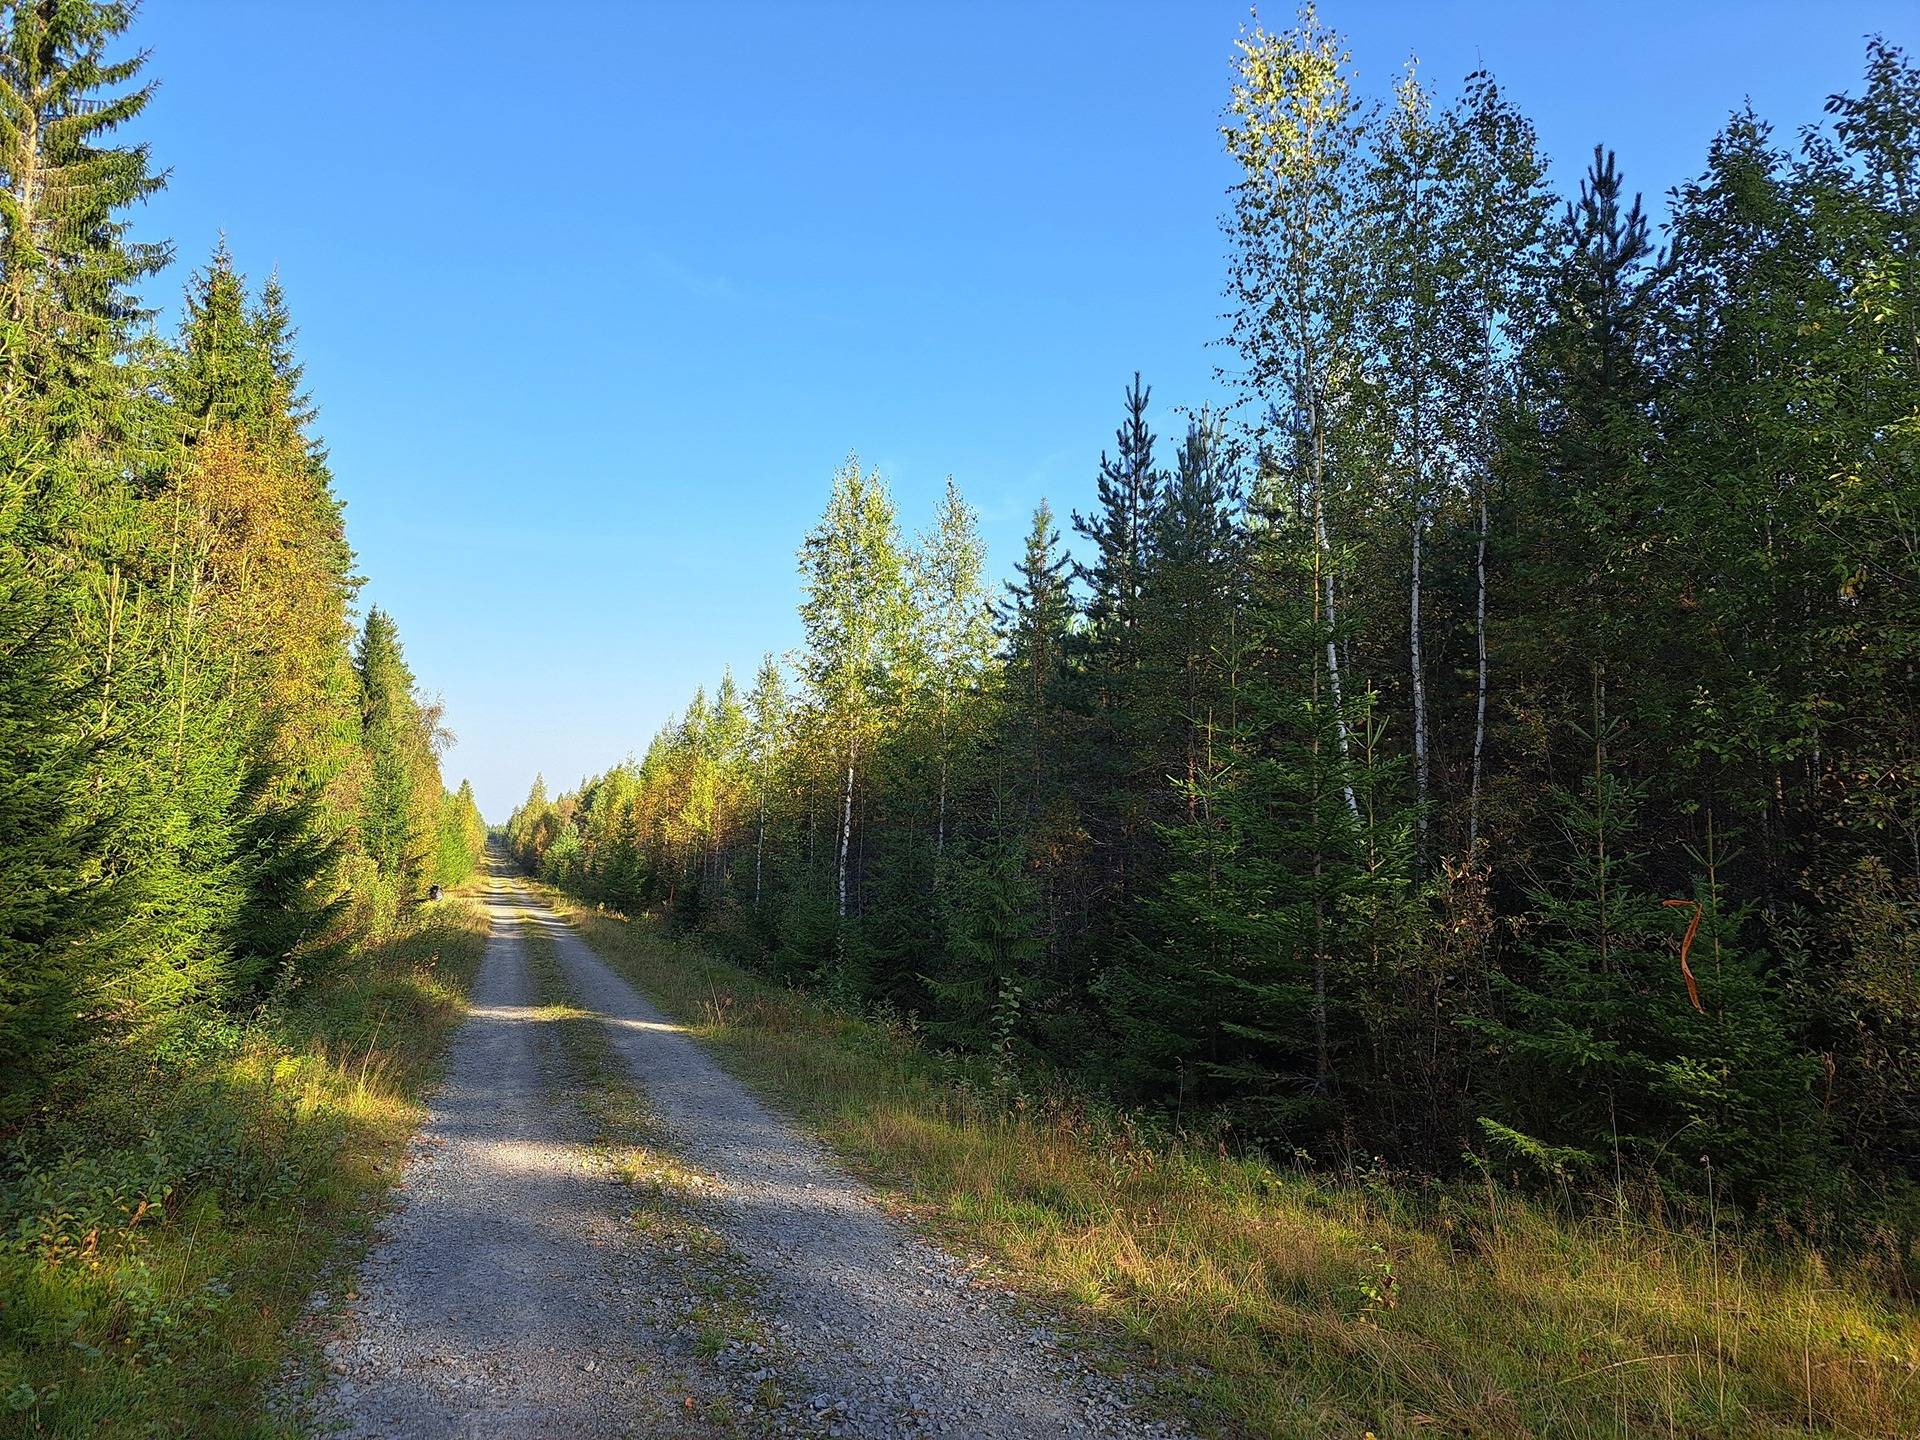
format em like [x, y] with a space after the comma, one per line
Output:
[1282, 1304]
[166, 1227]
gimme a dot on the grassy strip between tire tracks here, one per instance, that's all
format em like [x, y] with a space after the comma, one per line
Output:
[712, 1293]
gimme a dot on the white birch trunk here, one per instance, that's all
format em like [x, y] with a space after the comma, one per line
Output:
[940, 833]
[1418, 669]
[1480, 699]
[940, 825]
[846, 838]
[760, 846]
[1333, 650]
[840, 936]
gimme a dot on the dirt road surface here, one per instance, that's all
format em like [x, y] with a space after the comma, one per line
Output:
[512, 1292]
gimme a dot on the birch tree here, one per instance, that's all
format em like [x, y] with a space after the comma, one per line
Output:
[767, 728]
[1399, 305]
[956, 628]
[855, 608]
[1294, 127]
[1495, 217]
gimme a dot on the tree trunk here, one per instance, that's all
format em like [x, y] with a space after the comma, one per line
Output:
[1480, 701]
[760, 847]
[1322, 1057]
[1321, 1064]
[1417, 667]
[940, 830]
[846, 847]
[1323, 558]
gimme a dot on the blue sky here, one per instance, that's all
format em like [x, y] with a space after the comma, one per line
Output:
[593, 298]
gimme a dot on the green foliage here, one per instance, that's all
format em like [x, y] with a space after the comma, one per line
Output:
[460, 837]
[993, 949]
[1603, 1041]
[65, 260]
[158, 1223]
[1283, 807]
[188, 758]
[53, 894]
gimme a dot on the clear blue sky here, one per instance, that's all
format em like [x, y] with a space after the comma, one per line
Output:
[594, 297]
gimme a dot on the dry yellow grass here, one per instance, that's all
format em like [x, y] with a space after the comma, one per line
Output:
[273, 1148]
[1278, 1303]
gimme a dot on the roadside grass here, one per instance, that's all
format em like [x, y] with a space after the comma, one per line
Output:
[161, 1232]
[1277, 1303]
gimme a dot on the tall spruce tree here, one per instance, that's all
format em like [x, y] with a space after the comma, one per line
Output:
[1035, 620]
[391, 727]
[66, 263]
[55, 898]
[1113, 804]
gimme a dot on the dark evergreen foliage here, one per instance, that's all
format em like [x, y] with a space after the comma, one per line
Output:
[179, 747]
[1624, 534]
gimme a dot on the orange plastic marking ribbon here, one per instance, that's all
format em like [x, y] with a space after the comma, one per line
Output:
[1686, 944]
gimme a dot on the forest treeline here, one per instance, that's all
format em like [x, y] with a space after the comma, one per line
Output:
[1490, 740]
[211, 784]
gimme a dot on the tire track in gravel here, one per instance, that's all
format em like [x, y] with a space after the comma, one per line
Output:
[504, 1295]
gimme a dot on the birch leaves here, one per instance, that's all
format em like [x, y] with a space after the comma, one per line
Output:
[1380, 267]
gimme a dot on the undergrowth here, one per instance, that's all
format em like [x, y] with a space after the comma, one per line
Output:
[164, 1219]
[1278, 1302]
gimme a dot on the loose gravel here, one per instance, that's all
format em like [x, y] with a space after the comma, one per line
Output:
[517, 1292]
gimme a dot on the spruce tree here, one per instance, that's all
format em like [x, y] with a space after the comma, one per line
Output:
[244, 504]
[991, 912]
[1121, 529]
[390, 731]
[1582, 503]
[226, 373]
[1111, 762]
[1035, 619]
[1192, 591]
[56, 899]
[1243, 990]
[1620, 1051]
[1030, 763]
[66, 264]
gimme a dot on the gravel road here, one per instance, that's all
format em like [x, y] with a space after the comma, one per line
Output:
[511, 1295]
[504, 1296]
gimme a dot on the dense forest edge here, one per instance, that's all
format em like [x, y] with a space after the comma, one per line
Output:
[221, 805]
[1485, 752]
[1414, 922]
[1295, 1300]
